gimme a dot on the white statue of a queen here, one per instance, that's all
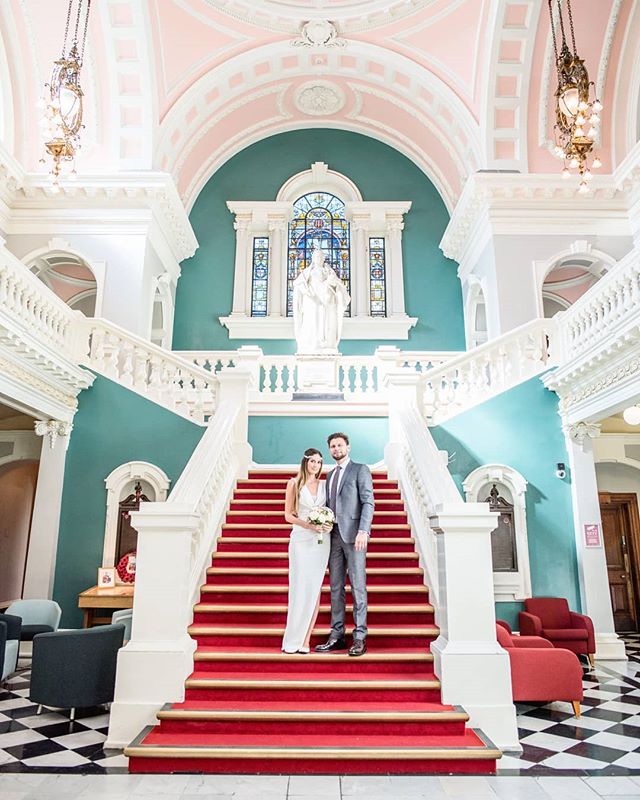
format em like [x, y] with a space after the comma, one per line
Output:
[319, 302]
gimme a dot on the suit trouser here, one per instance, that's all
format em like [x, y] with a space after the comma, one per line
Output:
[342, 558]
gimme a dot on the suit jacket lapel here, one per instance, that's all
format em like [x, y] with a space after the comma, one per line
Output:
[345, 476]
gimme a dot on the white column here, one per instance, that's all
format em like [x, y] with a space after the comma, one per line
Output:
[473, 669]
[241, 277]
[394, 271]
[45, 522]
[234, 385]
[153, 666]
[360, 274]
[277, 267]
[592, 562]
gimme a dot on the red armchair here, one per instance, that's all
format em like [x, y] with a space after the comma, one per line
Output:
[551, 618]
[540, 672]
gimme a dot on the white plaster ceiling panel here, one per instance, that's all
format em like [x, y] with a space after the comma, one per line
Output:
[352, 15]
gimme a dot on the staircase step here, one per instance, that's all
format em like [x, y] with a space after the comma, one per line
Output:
[311, 754]
[345, 718]
[277, 495]
[276, 517]
[264, 660]
[271, 531]
[218, 613]
[302, 686]
[272, 559]
[272, 505]
[256, 575]
[256, 595]
[271, 635]
[262, 544]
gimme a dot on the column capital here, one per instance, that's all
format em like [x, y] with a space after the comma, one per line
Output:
[581, 432]
[54, 429]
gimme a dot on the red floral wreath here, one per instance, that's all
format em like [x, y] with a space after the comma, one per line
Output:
[126, 568]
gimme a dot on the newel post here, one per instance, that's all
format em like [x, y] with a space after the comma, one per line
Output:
[473, 668]
[234, 384]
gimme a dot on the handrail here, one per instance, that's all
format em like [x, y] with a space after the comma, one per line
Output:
[154, 372]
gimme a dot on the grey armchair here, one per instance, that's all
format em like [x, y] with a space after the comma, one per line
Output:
[38, 616]
[9, 644]
[75, 669]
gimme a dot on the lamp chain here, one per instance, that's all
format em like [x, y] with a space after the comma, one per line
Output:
[573, 35]
[84, 33]
[66, 29]
[553, 29]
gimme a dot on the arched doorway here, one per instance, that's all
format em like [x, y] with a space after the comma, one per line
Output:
[70, 278]
[568, 279]
[18, 481]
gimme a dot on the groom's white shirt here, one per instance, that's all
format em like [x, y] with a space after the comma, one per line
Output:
[337, 477]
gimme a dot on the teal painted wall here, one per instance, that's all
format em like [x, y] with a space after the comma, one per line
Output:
[432, 288]
[112, 426]
[283, 440]
[521, 428]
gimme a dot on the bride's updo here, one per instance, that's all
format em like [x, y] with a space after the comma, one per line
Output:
[302, 476]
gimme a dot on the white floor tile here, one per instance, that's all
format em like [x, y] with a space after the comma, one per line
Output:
[361, 784]
[624, 743]
[118, 760]
[513, 762]
[39, 720]
[75, 740]
[613, 786]
[548, 741]
[629, 760]
[589, 723]
[569, 761]
[101, 785]
[5, 758]
[516, 788]
[19, 737]
[560, 788]
[99, 721]
[464, 786]
[616, 705]
[326, 787]
[534, 723]
[14, 702]
[63, 758]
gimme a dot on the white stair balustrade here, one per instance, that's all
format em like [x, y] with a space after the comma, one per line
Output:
[175, 542]
[486, 371]
[454, 542]
[157, 374]
[211, 360]
[606, 310]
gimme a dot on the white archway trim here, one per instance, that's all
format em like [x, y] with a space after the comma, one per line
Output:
[319, 176]
[610, 448]
[61, 247]
[507, 586]
[119, 484]
[475, 297]
[600, 262]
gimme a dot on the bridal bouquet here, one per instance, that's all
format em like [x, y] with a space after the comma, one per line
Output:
[321, 516]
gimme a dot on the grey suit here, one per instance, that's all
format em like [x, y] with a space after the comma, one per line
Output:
[354, 512]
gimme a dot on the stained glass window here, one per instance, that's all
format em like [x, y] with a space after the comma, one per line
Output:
[260, 276]
[377, 278]
[318, 220]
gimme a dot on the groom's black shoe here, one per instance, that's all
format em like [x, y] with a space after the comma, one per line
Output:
[358, 648]
[331, 644]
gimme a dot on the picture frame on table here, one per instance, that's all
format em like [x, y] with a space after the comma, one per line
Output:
[106, 577]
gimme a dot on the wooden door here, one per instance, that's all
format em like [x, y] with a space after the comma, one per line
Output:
[621, 533]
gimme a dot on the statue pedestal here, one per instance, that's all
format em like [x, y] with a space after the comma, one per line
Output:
[318, 375]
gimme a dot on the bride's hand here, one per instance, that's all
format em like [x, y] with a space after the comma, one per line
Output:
[317, 528]
[327, 527]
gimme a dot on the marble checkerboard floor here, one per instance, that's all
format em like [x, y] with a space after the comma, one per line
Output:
[604, 741]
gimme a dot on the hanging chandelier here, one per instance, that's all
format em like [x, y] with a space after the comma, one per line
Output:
[577, 117]
[62, 101]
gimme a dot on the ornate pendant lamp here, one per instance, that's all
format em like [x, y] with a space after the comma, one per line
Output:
[62, 101]
[577, 117]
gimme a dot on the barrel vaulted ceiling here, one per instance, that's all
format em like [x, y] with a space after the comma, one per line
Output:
[456, 85]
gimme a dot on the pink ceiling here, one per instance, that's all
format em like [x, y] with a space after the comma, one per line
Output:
[190, 84]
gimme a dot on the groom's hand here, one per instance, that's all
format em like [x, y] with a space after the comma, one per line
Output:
[362, 540]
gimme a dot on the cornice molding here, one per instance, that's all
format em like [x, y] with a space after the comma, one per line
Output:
[515, 203]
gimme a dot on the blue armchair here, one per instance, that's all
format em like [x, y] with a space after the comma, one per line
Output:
[9, 644]
[38, 616]
[75, 669]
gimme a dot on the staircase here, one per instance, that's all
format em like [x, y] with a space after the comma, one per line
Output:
[251, 708]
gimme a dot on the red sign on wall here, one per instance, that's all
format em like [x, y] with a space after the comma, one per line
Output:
[592, 535]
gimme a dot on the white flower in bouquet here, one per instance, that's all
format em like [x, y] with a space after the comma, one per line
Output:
[321, 516]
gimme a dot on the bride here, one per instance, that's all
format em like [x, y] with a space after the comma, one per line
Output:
[307, 559]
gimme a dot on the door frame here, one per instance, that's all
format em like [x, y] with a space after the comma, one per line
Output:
[630, 501]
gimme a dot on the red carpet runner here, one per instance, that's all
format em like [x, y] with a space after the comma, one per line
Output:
[251, 709]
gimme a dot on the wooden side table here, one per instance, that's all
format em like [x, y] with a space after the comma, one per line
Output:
[92, 600]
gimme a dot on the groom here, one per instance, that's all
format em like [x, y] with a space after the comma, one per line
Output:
[350, 497]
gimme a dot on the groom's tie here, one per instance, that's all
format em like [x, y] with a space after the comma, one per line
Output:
[334, 489]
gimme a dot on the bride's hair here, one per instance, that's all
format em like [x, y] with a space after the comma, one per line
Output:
[302, 476]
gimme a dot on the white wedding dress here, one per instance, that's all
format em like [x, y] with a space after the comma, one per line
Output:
[307, 565]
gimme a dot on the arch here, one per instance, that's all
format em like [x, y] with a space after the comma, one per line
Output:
[48, 264]
[119, 483]
[475, 315]
[319, 178]
[508, 586]
[162, 312]
[262, 92]
[587, 261]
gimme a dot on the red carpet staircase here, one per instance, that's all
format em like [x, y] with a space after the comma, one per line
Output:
[249, 708]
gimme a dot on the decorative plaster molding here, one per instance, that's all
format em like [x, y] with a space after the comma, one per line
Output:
[54, 429]
[319, 98]
[318, 33]
[245, 327]
[582, 431]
